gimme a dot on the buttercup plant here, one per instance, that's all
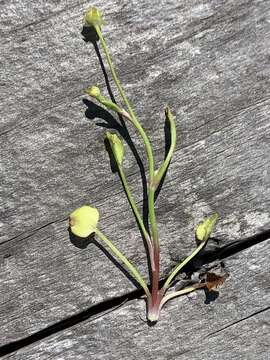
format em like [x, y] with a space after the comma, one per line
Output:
[83, 221]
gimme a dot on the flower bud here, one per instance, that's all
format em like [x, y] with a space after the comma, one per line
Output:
[83, 221]
[168, 113]
[205, 228]
[117, 147]
[93, 91]
[93, 17]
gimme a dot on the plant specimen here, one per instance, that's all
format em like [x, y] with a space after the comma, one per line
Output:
[83, 221]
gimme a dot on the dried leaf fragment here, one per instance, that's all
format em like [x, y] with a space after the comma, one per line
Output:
[213, 281]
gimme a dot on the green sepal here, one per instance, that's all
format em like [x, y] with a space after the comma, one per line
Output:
[109, 104]
[117, 147]
[205, 228]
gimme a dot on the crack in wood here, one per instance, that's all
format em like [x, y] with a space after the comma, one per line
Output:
[237, 322]
[32, 232]
[17, 29]
[101, 308]
[208, 256]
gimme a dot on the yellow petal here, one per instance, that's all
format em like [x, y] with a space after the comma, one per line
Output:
[83, 221]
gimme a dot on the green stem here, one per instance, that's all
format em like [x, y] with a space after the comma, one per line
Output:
[141, 131]
[111, 66]
[165, 164]
[152, 215]
[181, 265]
[135, 210]
[137, 276]
[177, 293]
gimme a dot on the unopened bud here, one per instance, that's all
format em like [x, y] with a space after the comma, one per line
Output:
[93, 17]
[205, 228]
[83, 221]
[93, 91]
[117, 147]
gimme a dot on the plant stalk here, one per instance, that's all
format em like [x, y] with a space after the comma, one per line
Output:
[132, 269]
[141, 131]
[166, 162]
[181, 265]
[178, 293]
[136, 211]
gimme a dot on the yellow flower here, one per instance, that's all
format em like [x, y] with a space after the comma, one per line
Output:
[83, 221]
[93, 17]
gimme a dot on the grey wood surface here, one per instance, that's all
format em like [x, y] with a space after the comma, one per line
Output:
[235, 326]
[209, 60]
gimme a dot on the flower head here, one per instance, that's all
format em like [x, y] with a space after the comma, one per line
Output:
[93, 17]
[83, 221]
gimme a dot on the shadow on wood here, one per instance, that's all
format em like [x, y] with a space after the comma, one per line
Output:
[83, 243]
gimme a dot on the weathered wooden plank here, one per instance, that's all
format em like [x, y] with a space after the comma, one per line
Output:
[15, 18]
[235, 326]
[29, 59]
[210, 63]
[33, 266]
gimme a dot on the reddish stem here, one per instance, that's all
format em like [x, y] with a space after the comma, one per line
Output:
[155, 274]
[156, 294]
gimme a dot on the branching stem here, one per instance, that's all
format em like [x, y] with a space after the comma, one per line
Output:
[136, 123]
[181, 265]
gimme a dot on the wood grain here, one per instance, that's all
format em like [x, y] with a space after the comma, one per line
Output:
[209, 60]
[235, 325]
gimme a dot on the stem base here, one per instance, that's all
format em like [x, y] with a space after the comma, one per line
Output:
[154, 307]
